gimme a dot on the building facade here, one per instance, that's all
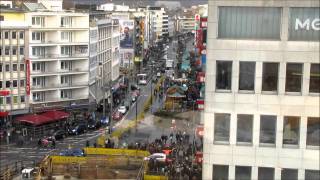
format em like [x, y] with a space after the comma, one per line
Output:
[261, 117]
[13, 43]
[59, 57]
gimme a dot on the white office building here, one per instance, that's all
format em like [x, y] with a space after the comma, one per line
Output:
[262, 90]
[59, 56]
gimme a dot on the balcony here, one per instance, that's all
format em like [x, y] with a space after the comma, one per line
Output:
[58, 72]
[52, 100]
[59, 56]
[55, 86]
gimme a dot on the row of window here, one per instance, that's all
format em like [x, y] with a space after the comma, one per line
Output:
[40, 96]
[268, 130]
[14, 99]
[13, 83]
[13, 50]
[12, 34]
[270, 76]
[221, 172]
[14, 67]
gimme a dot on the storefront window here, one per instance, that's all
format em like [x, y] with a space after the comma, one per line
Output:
[221, 127]
[291, 130]
[223, 77]
[294, 77]
[270, 76]
[313, 131]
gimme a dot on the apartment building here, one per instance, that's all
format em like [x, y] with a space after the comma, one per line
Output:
[156, 23]
[58, 54]
[13, 43]
[185, 24]
[261, 118]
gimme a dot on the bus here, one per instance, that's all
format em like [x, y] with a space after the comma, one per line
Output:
[142, 79]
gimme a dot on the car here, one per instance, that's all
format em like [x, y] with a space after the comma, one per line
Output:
[157, 156]
[78, 129]
[122, 109]
[59, 134]
[142, 82]
[158, 74]
[104, 121]
[92, 124]
[134, 87]
[72, 152]
[117, 115]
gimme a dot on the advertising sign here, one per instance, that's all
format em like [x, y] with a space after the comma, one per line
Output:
[126, 58]
[203, 22]
[28, 77]
[126, 33]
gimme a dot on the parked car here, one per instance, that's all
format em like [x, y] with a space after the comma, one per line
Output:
[117, 115]
[157, 156]
[104, 121]
[72, 152]
[59, 134]
[122, 109]
[78, 129]
[92, 124]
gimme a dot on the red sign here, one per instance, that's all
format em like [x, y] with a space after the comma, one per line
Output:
[197, 17]
[4, 93]
[4, 113]
[199, 157]
[199, 131]
[200, 103]
[203, 22]
[28, 77]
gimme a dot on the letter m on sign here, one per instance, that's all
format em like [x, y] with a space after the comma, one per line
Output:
[302, 25]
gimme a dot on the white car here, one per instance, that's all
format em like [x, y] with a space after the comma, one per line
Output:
[142, 82]
[157, 156]
[122, 109]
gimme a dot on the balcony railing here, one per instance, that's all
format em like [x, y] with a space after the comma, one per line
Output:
[54, 56]
[57, 86]
[75, 70]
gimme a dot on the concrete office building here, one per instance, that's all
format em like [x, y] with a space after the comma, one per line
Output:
[262, 90]
[13, 42]
[59, 55]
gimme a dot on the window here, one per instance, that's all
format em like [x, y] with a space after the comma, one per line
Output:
[14, 35]
[14, 50]
[8, 100]
[221, 127]
[294, 77]
[65, 79]
[247, 75]
[15, 99]
[0, 50]
[1, 19]
[14, 83]
[270, 75]
[1, 85]
[313, 131]
[36, 66]
[244, 128]
[7, 67]
[37, 20]
[265, 173]
[1, 100]
[314, 86]
[21, 83]
[268, 129]
[21, 34]
[312, 174]
[21, 67]
[243, 172]
[249, 23]
[220, 172]
[65, 65]
[66, 21]
[21, 51]
[22, 99]
[6, 35]
[38, 36]
[223, 77]
[36, 96]
[38, 51]
[291, 130]
[1, 67]
[36, 81]
[14, 67]
[8, 84]
[289, 174]
[7, 51]
[64, 94]
[66, 50]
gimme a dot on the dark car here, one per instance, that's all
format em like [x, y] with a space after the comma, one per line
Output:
[59, 134]
[78, 129]
[72, 152]
[104, 121]
[94, 124]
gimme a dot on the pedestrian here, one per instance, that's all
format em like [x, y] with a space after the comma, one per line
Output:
[94, 145]
[87, 143]
[53, 144]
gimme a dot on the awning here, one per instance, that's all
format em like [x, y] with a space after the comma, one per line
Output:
[56, 115]
[34, 119]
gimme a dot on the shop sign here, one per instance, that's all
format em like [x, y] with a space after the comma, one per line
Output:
[28, 77]
[307, 24]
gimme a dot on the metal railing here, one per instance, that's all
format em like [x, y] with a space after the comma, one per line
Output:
[8, 171]
[52, 56]
[59, 71]
[50, 86]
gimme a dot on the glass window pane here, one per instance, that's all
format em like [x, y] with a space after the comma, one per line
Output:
[314, 86]
[312, 174]
[221, 127]
[313, 131]
[244, 128]
[223, 77]
[265, 173]
[22, 100]
[270, 76]
[247, 75]
[268, 129]
[243, 172]
[294, 77]
[291, 130]
[289, 174]
[15, 99]
[220, 172]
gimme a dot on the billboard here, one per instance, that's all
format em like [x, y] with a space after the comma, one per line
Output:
[126, 58]
[126, 33]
